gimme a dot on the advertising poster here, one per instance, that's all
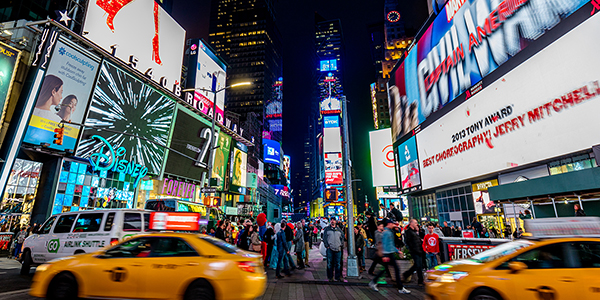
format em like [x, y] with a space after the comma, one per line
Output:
[191, 137]
[122, 108]
[9, 57]
[460, 251]
[332, 141]
[518, 119]
[287, 166]
[140, 33]
[481, 197]
[333, 168]
[206, 73]
[382, 158]
[64, 96]
[238, 171]
[410, 175]
[222, 158]
[272, 152]
[331, 121]
[467, 41]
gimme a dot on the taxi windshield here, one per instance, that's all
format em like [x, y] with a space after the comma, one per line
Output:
[499, 251]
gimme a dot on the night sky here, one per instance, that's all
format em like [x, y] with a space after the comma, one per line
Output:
[295, 20]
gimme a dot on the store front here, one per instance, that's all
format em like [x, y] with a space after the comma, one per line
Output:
[19, 196]
[423, 208]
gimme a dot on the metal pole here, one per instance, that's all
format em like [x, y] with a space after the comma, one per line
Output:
[554, 205]
[580, 204]
[212, 138]
[532, 209]
[352, 263]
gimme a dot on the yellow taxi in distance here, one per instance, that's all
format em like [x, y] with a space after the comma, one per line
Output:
[548, 268]
[155, 266]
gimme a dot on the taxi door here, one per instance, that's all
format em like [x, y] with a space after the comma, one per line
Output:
[549, 274]
[170, 264]
[120, 271]
[588, 268]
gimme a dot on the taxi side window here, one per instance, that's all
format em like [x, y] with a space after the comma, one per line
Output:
[110, 220]
[588, 254]
[132, 222]
[140, 247]
[545, 257]
[88, 222]
[64, 224]
[172, 247]
[45, 229]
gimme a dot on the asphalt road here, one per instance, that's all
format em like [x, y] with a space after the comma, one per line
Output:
[13, 285]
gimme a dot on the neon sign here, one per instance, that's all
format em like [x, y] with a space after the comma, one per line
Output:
[102, 162]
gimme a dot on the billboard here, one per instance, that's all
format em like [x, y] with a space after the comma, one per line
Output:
[64, 96]
[222, 158]
[140, 33]
[206, 73]
[123, 108]
[287, 166]
[481, 197]
[331, 105]
[332, 142]
[272, 152]
[238, 171]
[8, 67]
[331, 121]
[191, 137]
[373, 89]
[462, 45]
[382, 158]
[328, 65]
[520, 118]
[410, 175]
[333, 168]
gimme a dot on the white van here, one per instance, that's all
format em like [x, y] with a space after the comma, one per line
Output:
[81, 232]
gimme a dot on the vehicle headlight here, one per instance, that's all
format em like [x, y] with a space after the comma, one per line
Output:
[42, 268]
[452, 276]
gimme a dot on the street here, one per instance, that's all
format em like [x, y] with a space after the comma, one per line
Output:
[310, 283]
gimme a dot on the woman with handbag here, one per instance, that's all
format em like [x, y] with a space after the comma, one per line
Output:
[255, 239]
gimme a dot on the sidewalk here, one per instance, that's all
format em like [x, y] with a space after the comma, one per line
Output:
[312, 283]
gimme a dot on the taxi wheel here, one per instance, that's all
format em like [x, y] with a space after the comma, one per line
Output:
[199, 290]
[62, 287]
[484, 294]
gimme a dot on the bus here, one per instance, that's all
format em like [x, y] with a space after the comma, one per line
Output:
[209, 216]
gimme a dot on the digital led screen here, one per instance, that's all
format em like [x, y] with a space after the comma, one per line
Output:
[409, 164]
[333, 168]
[333, 140]
[272, 152]
[328, 65]
[8, 67]
[331, 121]
[382, 158]
[222, 158]
[238, 171]
[124, 108]
[64, 96]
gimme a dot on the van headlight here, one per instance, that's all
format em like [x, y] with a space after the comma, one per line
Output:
[452, 276]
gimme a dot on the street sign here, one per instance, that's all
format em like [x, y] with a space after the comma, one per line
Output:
[208, 190]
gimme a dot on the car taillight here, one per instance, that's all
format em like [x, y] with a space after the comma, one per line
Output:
[114, 241]
[248, 266]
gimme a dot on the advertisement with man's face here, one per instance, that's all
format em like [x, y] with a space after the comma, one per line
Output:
[8, 67]
[63, 96]
[238, 170]
[222, 158]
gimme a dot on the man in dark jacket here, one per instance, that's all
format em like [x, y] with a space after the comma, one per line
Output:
[446, 230]
[396, 213]
[333, 240]
[283, 252]
[478, 227]
[371, 225]
[306, 233]
[289, 237]
[415, 246]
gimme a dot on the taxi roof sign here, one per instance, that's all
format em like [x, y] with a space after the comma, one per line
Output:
[176, 221]
[563, 227]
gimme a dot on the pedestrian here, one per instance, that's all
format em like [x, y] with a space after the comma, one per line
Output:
[431, 246]
[333, 240]
[359, 248]
[371, 225]
[282, 250]
[383, 212]
[299, 242]
[518, 233]
[269, 238]
[477, 227]
[579, 211]
[415, 246]
[437, 230]
[378, 255]
[396, 213]
[525, 216]
[220, 232]
[289, 237]
[20, 239]
[389, 252]
[306, 235]
[447, 231]
[485, 233]
[255, 241]
[363, 236]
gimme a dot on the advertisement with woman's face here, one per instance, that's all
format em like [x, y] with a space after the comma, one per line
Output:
[63, 96]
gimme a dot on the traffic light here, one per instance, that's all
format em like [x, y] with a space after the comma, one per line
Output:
[58, 137]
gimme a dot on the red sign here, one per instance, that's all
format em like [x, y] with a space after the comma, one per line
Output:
[468, 234]
[465, 251]
[175, 221]
[5, 239]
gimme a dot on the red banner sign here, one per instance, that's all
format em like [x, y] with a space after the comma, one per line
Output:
[175, 221]
[5, 240]
[456, 251]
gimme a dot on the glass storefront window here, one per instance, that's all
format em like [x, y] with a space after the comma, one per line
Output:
[19, 195]
[456, 200]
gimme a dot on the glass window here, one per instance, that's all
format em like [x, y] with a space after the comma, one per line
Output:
[470, 205]
[451, 204]
[146, 222]
[463, 202]
[229, 248]
[64, 224]
[172, 247]
[139, 247]
[461, 190]
[132, 222]
[45, 228]
[588, 253]
[109, 221]
[545, 257]
[88, 222]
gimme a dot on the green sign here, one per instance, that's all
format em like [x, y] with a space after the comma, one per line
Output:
[53, 246]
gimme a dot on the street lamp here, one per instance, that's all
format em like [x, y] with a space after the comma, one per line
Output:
[213, 117]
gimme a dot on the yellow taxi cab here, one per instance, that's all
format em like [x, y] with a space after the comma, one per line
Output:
[560, 260]
[155, 266]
